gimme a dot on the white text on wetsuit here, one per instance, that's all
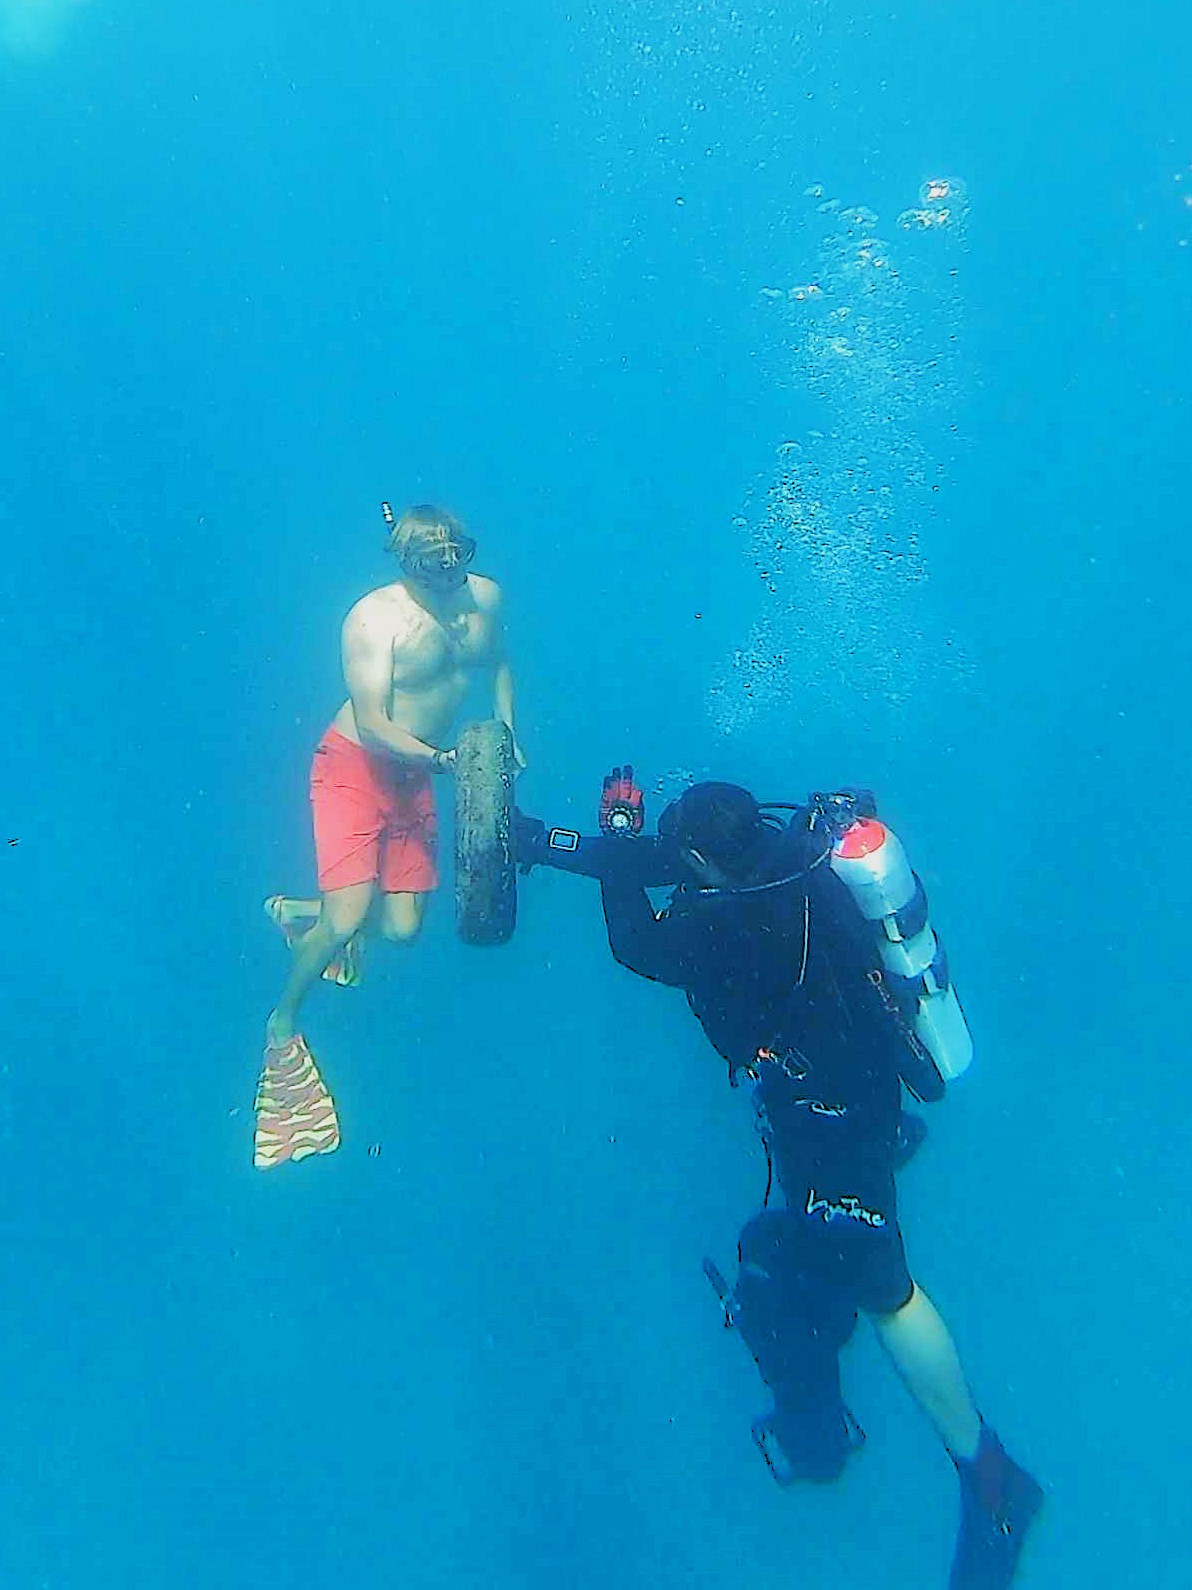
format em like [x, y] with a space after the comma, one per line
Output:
[848, 1208]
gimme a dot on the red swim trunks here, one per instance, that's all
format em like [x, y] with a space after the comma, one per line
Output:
[374, 818]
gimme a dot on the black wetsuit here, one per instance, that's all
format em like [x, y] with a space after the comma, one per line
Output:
[780, 978]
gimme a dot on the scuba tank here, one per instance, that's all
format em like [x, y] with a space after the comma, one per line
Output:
[870, 861]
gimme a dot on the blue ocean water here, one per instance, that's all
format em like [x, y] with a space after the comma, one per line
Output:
[786, 484]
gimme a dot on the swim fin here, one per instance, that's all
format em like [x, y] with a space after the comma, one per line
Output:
[783, 1432]
[346, 970]
[295, 1113]
[998, 1504]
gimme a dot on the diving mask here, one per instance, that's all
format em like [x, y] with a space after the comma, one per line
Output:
[443, 563]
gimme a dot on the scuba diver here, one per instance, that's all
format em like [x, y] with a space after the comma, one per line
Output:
[801, 939]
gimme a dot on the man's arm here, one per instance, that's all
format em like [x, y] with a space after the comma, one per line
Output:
[503, 702]
[657, 947]
[651, 946]
[368, 642]
[644, 863]
[502, 672]
[626, 865]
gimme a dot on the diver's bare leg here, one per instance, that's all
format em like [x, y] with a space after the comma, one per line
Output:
[925, 1355]
[342, 913]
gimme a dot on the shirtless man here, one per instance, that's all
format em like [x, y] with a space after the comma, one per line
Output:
[410, 650]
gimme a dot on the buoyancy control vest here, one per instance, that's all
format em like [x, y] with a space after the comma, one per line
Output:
[840, 829]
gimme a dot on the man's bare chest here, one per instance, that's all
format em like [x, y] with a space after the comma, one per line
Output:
[468, 635]
[440, 645]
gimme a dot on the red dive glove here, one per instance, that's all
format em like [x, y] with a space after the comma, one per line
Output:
[622, 804]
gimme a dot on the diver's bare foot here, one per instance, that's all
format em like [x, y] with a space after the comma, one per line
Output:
[279, 1031]
[293, 918]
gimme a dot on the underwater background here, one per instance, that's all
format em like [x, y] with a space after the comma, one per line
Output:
[815, 379]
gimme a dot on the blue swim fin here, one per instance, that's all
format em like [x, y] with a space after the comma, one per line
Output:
[999, 1501]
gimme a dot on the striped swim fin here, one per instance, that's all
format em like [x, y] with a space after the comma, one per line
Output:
[295, 1113]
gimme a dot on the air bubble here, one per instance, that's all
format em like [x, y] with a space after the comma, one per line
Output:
[918, 220]
[835, 533]
[942, 190]
[859, 217]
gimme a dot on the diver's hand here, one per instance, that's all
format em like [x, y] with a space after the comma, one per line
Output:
[443, 761]
[622, 804]
[527, 834]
